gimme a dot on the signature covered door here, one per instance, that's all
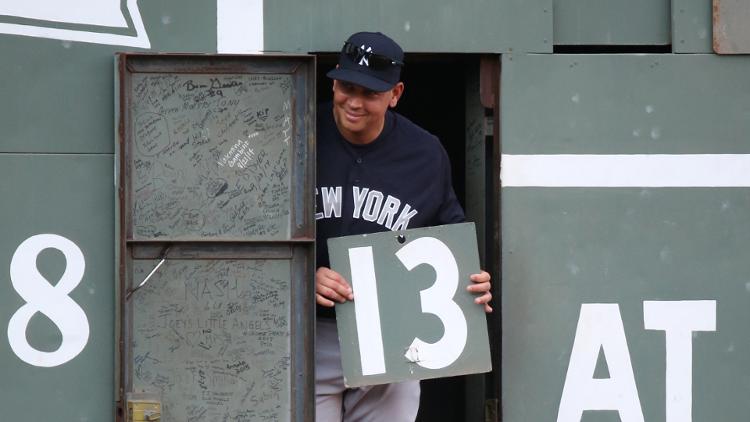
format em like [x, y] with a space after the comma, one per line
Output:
[216, 236]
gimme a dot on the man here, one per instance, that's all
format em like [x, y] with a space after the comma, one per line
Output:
[377, 171]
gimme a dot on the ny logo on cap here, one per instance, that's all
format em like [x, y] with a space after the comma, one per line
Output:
[363, 55]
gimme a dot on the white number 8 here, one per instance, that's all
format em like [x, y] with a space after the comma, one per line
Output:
[53, 301]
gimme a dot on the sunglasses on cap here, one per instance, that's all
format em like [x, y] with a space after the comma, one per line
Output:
[373, 60]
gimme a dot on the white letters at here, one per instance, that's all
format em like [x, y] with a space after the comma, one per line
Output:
[49, 299]
[600, 327]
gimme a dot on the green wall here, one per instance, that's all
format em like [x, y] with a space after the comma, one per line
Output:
[57, 167]
[563, 247]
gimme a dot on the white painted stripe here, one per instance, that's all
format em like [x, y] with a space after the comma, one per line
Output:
[633, 170]
[239, 26]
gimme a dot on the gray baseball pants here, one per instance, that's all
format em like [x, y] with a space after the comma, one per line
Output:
[398, 402]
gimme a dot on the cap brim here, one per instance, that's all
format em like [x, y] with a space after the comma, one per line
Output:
[359, 78]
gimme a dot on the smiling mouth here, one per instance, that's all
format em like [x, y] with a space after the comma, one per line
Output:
[351, 116]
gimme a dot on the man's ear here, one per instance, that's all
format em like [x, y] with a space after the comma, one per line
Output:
[397, 91]
[333, 85]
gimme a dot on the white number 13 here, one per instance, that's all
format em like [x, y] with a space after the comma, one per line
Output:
[436, 300]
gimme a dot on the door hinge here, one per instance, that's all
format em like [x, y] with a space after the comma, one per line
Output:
[489, 126]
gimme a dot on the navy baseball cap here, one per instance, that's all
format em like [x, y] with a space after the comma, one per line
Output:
[371, 60]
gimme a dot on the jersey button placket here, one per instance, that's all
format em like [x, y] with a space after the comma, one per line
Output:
[357, 169]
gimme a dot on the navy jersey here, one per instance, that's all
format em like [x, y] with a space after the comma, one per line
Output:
[400, 180]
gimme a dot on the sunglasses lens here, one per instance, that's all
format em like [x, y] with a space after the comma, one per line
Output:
[379, 62]
[375, 61]
[350, 49]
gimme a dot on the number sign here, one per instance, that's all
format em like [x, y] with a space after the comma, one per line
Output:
[412, 317]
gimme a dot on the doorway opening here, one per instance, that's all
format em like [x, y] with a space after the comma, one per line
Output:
[435, 97]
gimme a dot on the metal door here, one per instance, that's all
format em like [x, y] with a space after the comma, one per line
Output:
[215, 251]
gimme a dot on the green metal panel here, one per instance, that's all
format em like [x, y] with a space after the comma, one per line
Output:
[691, 26]
[62, 90]
[58, 98]
[620, 104]
[69, 196]
[418, 26]
[180, 25]
[611, 22]
[567, 248]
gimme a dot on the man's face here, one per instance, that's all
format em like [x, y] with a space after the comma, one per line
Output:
[360, 112]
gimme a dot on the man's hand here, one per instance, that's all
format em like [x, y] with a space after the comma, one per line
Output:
[482, 285]
[331, 287]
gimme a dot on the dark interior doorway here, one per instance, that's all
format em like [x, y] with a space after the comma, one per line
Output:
[434, 98]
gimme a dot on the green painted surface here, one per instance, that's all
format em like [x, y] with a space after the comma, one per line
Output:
[177, 26]
[611, 22]
[403, 315]
[70, 196]
[58, 98]
[692, 26]
[418, 26]
[566, 247]
[63, 91]
[623, 104]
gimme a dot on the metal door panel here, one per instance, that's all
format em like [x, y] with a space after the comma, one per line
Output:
[215, 165]
[625, 104]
